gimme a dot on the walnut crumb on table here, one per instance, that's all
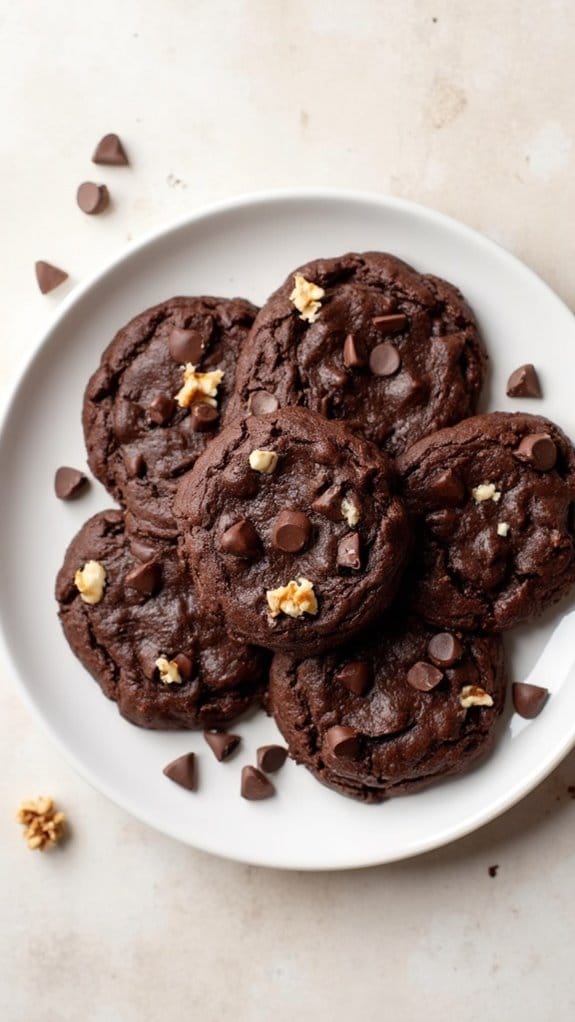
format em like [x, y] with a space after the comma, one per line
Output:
[43, 822]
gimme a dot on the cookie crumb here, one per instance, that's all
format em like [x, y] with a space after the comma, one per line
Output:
[294, 599]
[90, 582]
[306, 296]
[492, 870]
[43, 822]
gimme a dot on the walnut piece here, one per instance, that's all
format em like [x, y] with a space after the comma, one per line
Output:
[502, 528]
[294, 599]
[263, 461]
[90, 581]
[306, 297]
[472, 695]
[169, 673]
[199, 388]
[350, 511]
[486, 491]
[44, 824]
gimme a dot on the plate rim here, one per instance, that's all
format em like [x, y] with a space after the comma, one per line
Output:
[9, 397]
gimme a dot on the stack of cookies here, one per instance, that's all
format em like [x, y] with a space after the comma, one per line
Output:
[310, 481]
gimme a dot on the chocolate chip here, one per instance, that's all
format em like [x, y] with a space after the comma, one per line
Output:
[528, 700]
[349, 552]
[145, 578]
[271, 757]
[127, 420]
[325, 406]
[221, 743]
[390, 324]
[204, 417]
[492, 870]
[355, 676]
[424, 677]
[444, 649]
[142, 550]
[185, 345]
[329, 503]
[261, 402]
[524, 382]
[384, 360]
[185, 666]
[110, 152]
[343, 742]
[92, 198]
[183, 771]
[291, 531]
[135, 465]
[537, 450]
[68, 482]
[255, 785]
[447, 489]
[353, 357]
[48, 276]
[161, 409]
[241, 540]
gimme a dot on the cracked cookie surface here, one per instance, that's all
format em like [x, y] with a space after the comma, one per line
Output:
[394, 353]
[293, 529]
[390, 713]
[151, 650]
[492, 500]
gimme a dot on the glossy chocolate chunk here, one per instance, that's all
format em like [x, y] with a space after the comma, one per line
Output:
[241, 540]
[537, 450]
[355, 676]
[384, 360]
[146, 578]
[183, 771]
[261, 402]
[342, 742]
[162, 409]
[528, 700]
[185, 345]
[524, 382]
[271, 757]
[444, 649]
[255, 785]
[424, 677]
[204, 417]
[291, 531]
[110, 152]
[390, 324]
[69, 482]
[222, 743]
[349, 552]
[353, 357]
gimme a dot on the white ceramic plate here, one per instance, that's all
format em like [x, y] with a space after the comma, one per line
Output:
[247, 247]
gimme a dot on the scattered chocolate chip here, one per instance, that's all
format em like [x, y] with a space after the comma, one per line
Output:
[353, 357]
[343, 742]
[68, 482]
[271, 757]
[291, 531]
[142, 550]
[390, 324]
[110, 152]
[384, 360]
[204, 417]
[48, 276]
[241, 540]
[524, 382]
[183, 771]
[355, 676]
[537, 450]
[221, 743]
[492, 870]
[528, 700]
[349, 552]
[424, 677]
[185, 666]
[92, 198]
[447, 489]
[261, 402]
[255, 784]
[135, 465]
[329, 503]
[161, 409]
[444, 649]
[185, 345]
[145, 578]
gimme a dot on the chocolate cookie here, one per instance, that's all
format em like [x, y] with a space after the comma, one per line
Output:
[147, 414]
[494, 497]
[364, 338]
[293, 529]
[130, 615]
[392, 712]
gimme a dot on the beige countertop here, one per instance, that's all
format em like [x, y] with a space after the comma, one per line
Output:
[464, 107]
